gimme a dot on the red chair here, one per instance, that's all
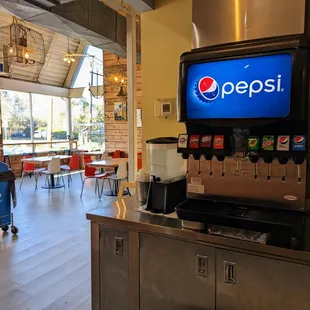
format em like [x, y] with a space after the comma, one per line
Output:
[29, 168]
[117, 154]
[90, 173]
[74, 165]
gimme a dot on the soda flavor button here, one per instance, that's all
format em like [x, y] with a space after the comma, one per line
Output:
[194, 141]
[299, 143]
[283, 143]
[205, 141]
[218, 142]
[182, 143]
[268, 143]
[253, 143]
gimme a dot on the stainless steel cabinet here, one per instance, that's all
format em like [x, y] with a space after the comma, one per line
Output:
[176, 275]
[114, 274]
[251, 282]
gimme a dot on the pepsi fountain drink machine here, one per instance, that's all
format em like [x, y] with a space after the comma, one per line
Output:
[245, 106]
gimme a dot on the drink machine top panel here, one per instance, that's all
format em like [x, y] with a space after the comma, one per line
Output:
[238, 83]
[265, 80]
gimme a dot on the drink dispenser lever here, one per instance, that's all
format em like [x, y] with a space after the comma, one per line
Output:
[221, 158]
[209, 158]
[268, 160]
[197, 157]
[283, 161]
[254, 159]
[298, 160]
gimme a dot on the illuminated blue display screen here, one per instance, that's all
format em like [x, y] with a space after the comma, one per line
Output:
[256, 87]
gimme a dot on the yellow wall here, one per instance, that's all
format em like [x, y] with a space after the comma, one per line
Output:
[166, 34]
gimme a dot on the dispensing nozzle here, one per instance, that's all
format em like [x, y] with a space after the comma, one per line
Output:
[221, 158]
[283, 161]
[268, 160]
[254, 159]
[208, 157]
[197, 157]
[298, 160]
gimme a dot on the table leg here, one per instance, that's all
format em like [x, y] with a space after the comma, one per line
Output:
[52, 181]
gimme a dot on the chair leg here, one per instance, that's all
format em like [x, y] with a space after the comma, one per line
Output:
[83, 181]
[102, 187]
[81, 176]
[21, 182]
[99, 191]
[97, 187]
[36, 177]
[63, 180]
[48, 183]
[110, 185]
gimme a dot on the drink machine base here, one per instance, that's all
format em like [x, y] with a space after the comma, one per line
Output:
[164, 197]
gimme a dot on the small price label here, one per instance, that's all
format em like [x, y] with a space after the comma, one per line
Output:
[195, 188]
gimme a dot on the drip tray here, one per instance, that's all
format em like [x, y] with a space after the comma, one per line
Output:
[240, 216]
[237, 212]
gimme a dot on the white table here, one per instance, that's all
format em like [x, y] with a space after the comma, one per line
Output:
[46, 159]
[92, 153]
[109, 163]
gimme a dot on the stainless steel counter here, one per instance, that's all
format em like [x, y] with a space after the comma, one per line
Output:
[122, 214]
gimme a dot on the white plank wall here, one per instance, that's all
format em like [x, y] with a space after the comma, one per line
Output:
[116, 132]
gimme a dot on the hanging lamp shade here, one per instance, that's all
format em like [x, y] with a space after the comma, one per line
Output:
[121, 92]
[21, 46]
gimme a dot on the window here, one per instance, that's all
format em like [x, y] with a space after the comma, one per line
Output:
[59, 118]
[15, 121]
[87, 111]
[49, 122]
[83, 76]
[41, 106]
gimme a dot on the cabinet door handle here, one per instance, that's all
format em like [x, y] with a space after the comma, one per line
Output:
[202, 266]
[118, 246]
[230, 272]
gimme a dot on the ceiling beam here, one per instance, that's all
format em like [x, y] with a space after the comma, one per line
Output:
[141, 5]
[49, 52]
[39, 5]
[117, 5]
[29, 87]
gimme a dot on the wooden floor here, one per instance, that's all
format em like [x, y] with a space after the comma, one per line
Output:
[47, 265]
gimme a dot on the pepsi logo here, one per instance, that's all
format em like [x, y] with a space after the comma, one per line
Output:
[283, 140]
[182, 140]
[208, 89]
[299, 139]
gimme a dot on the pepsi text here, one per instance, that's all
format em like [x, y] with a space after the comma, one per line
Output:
[255, 87]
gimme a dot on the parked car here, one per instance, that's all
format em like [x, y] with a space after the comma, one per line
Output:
[40, 134]
[18, 134]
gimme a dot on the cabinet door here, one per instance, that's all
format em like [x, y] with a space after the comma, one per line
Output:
[176, 275]
[257, 283]
[113, 268]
